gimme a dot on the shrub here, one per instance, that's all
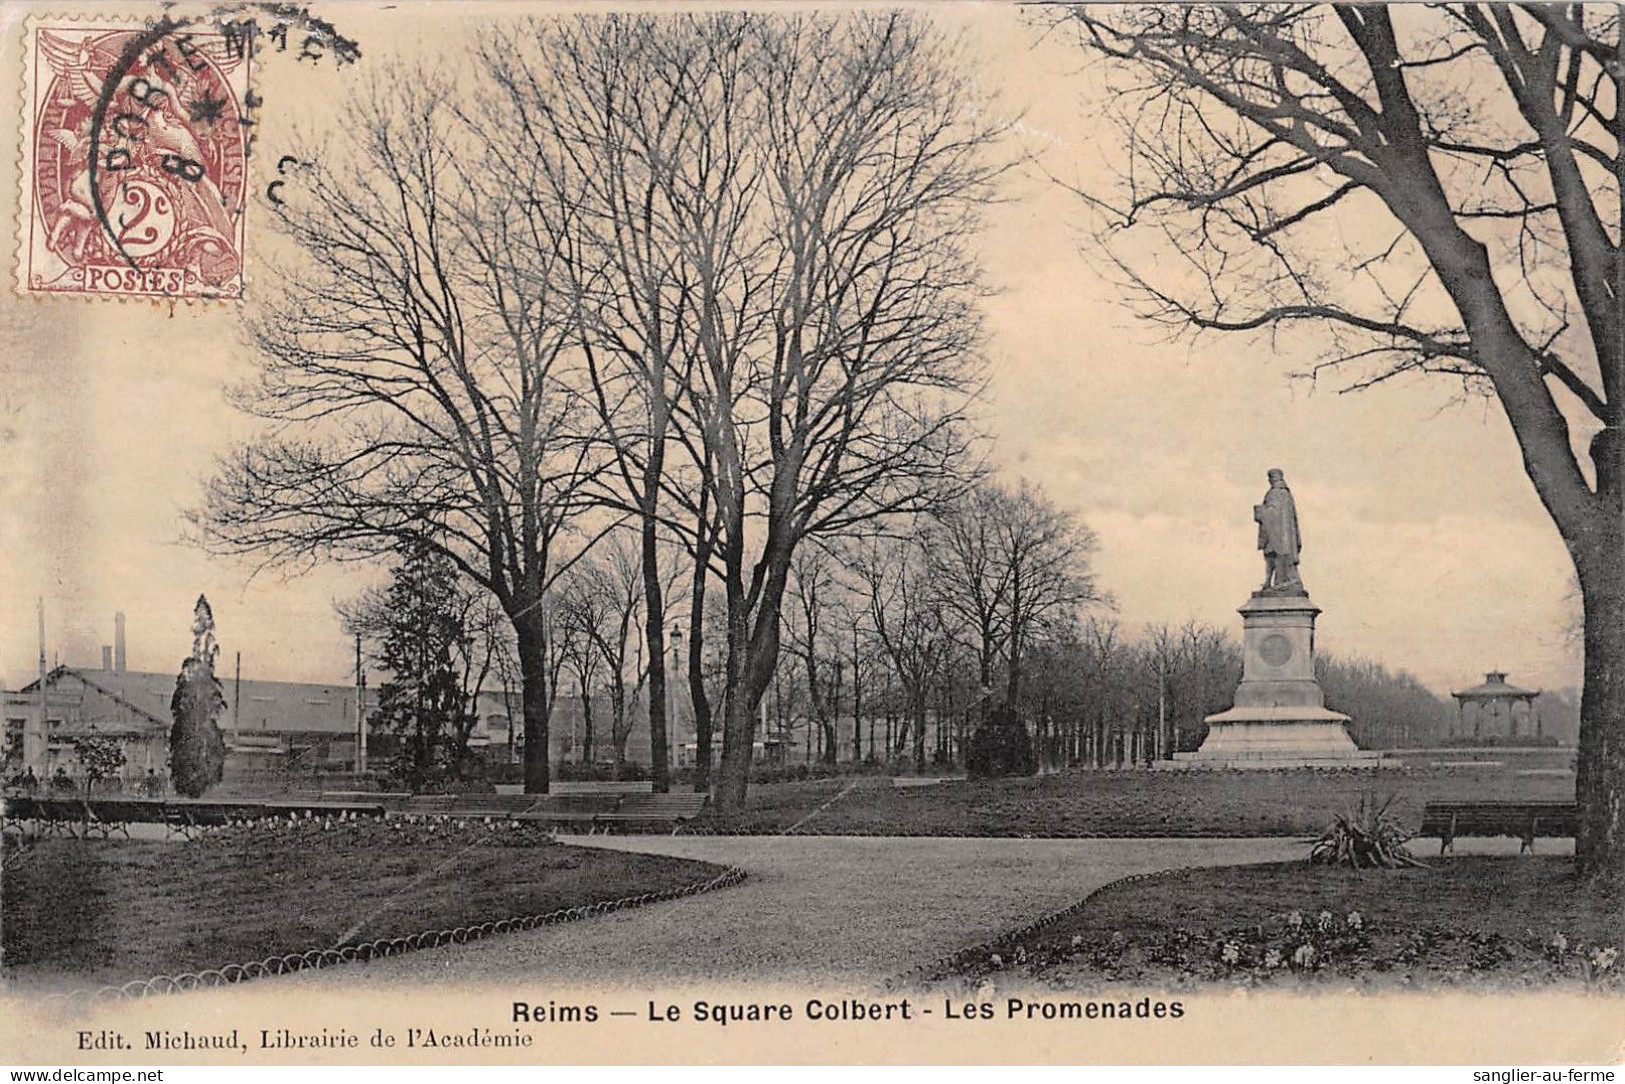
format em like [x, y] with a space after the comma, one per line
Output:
[1367, 839]
[101, 757]
[1001, 746]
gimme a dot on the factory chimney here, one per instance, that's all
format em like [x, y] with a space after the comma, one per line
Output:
[118, 643]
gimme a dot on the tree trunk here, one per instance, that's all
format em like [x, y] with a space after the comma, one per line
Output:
[1600, 782]
[531, 636]
[753, 656]
[919, 734]
[739, 714]
[654, 612]
[698, 697]
[832, 745]
[586, 725]
[857, 703]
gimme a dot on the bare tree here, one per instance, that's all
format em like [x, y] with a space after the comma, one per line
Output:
[701, 545]
[583, 612]
[1478, 148]
[1046, 552]
[414, 368]
[629, 122]
[907, 616]
[814, 637]
[781, 206]
[1009, 569]
[603, 601]
[972, 580]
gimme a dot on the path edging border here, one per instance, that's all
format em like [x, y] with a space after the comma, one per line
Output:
[315, 959]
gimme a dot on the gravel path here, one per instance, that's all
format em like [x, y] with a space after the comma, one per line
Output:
[853, 910]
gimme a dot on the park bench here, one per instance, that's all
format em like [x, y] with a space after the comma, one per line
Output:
[653, 812]
[23, 808]
[108, 815]
[1524, 821]
[466, 805]
[187, 816]
[427, 803]
[577, 811]
[497, 805]
[389, 798]
[85, 816]
[53, 814]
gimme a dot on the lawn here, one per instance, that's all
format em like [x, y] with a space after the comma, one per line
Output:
[91, 912]
[1122, 804]
[1468, 920]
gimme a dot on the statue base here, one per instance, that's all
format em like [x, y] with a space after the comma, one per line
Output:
[1280, 718]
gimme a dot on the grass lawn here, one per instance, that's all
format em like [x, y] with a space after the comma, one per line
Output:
[1124, 804]
[1505, 920]
[91, 912]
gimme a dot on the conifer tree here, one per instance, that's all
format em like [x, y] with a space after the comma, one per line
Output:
[424, 705]
[197, 749]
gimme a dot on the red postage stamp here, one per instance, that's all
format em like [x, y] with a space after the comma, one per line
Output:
[135, 156]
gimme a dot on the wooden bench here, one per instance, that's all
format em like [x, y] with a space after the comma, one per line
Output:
[26, 808]
[20, 807]
[654, 812]
[390, 798]
[1524, 821]
[427, 803]
[576, 811]
[109, 815]
[497, 805]
[53, 814]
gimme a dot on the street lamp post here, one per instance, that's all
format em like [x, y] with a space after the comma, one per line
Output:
[671, 690]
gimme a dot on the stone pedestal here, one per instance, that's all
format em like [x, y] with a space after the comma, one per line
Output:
[1280, 719]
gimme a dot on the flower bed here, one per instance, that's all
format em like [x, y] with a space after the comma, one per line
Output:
[1460, 921]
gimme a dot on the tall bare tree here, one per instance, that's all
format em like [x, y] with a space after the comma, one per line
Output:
[1046, 552]
[1476, 149]
[414, 368]
[583, 610]
[815, 637]
[849, 405]
[629, 122]
[972, 580]
[771, 259]
[604, 600]
[907, 616]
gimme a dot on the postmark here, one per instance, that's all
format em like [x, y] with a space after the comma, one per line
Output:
[135, 156]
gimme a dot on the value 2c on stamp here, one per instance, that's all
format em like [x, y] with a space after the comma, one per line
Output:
[136, 154]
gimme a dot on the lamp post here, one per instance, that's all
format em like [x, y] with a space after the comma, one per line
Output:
[671, 688]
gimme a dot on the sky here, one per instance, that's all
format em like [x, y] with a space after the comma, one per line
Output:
[1425, 545]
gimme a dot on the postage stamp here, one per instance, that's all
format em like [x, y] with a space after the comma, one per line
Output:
[135, 161]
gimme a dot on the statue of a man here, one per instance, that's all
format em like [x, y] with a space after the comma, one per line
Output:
[1278, 535]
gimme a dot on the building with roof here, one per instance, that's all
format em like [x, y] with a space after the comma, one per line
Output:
[1494, 711]
[273, 729]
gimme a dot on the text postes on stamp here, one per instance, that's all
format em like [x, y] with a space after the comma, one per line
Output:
[135, 156]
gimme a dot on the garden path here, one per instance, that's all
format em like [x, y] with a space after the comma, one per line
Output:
[833, 909]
